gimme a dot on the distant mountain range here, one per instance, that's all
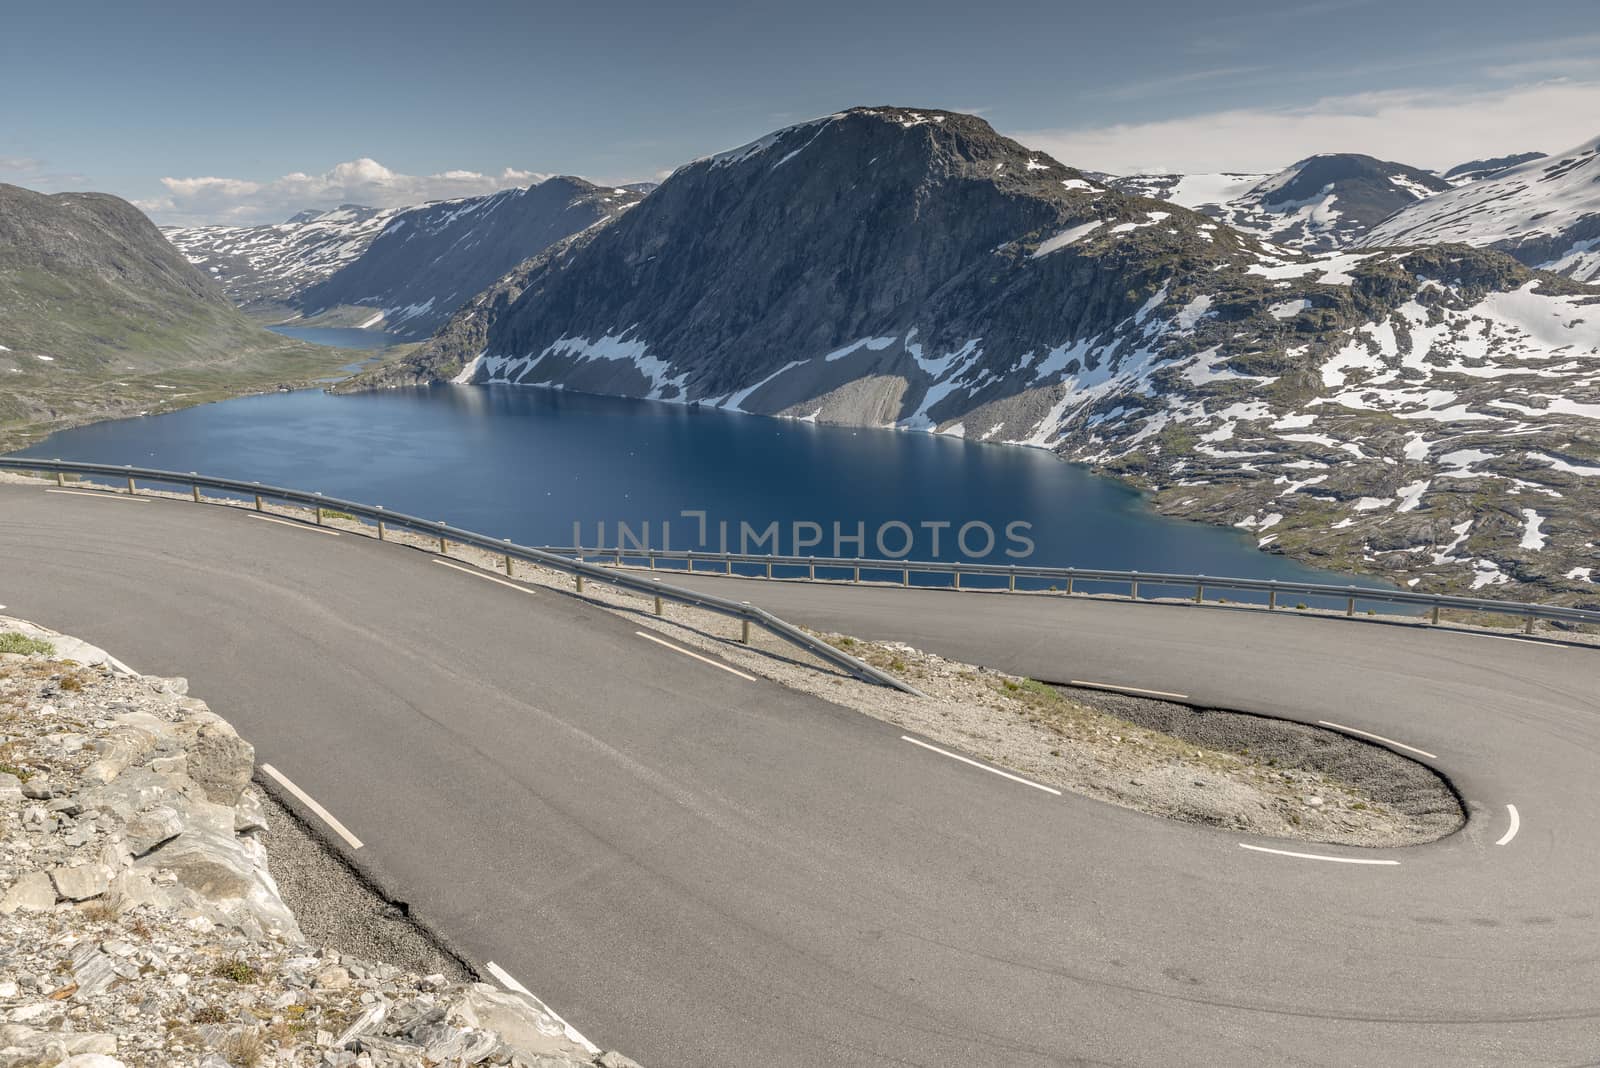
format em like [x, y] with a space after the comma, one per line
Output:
[412, 267]
[428, 261]
[1544, 211]
[1427, 413]
[263, 268]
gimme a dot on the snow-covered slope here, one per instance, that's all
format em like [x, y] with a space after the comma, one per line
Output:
[1321, 203]
[1545, 212]
[1479, 169]
[261, 266]
[1393, 410]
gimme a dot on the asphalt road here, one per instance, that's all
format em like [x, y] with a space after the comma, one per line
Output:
[703, 870]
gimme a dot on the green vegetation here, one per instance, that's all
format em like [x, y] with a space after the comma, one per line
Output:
[12, 642]
[237, 970]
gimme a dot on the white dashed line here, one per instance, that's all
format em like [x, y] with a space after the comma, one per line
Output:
[293, 523]
[307, 800]
[697, 656]
[511, 984]
[1317, 856]
[1516, 825]
[1378, 738]
[106, 495]
[1128, 689]
[982, 767]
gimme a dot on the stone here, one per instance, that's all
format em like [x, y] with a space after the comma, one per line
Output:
[612, 1059]
[81, 881]
[10, 787]
[38, 788]
[152, 828]
[522, 1021]
[33, 891]
[220, 761]
[248, 815]
[333, 977]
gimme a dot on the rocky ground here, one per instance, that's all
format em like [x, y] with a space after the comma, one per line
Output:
[140, 924]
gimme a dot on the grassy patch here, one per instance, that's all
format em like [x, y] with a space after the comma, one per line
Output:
[237, 970]
[12, 642]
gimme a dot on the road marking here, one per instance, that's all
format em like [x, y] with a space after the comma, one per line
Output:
[477, 573]
[1509, 638]
[511, 984]
[984, 767]
[1378, 738]
[307, 800]
[1128, 689]
[1516, 825]
[697, 656]
[292, 523]
[104, 495]
[1317, 856]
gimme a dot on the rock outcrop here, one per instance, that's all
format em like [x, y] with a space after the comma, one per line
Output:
[140, 925]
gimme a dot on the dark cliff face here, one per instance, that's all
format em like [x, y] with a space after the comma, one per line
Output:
[1474, 170]
[429, 261]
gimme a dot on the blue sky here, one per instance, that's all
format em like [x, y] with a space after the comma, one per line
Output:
[454, 98]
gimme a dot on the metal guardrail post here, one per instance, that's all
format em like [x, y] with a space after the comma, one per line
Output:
[1070, 577]
[691, 563]
[1350, 608]
[194, 489]
[131, 489]
[1272, 597]
[652, 558]
[744, 626]
[1133, 586]
[577, 579]
[1199, 592]
[957, 577]
[857, 577]
[319, 515]
[811, 571]
[905, 576]
[1011, 583]
[1436, 615]
[769, 567]
[508, 565]
[1529, 628]
[61, 478]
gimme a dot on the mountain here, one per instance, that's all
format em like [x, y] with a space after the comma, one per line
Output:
[1428, 413]
[428, 261]
[100, 315]
[263, 268]
[1322, 203]
[1545, 212]
[1478, 169]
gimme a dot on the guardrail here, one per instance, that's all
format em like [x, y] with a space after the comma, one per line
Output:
[385, 518]
[1068, 577]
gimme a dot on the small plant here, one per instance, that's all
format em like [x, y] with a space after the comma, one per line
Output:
[100, 911]
[244, 1049]
[22, 774]
[237, 970]
[70, 683]
[210, 1014]
[12, 642]
[1301, 606]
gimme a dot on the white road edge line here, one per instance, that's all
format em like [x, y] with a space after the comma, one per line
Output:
[1377, 738]
[477, 572]
[1127, 689]
[511, 984]
[310, 802]
[1509, 638]
[1516, 825]
[104, 495]
[697, 656]
[1317, 856]
[293, 523]
[983, 767]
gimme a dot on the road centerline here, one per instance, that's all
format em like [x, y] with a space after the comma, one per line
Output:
[311, 803]
[981, 766]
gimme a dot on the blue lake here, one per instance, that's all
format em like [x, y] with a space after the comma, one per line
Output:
[527, 464]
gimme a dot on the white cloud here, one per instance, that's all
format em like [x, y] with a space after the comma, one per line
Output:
[242, 201]
[1425, 128]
